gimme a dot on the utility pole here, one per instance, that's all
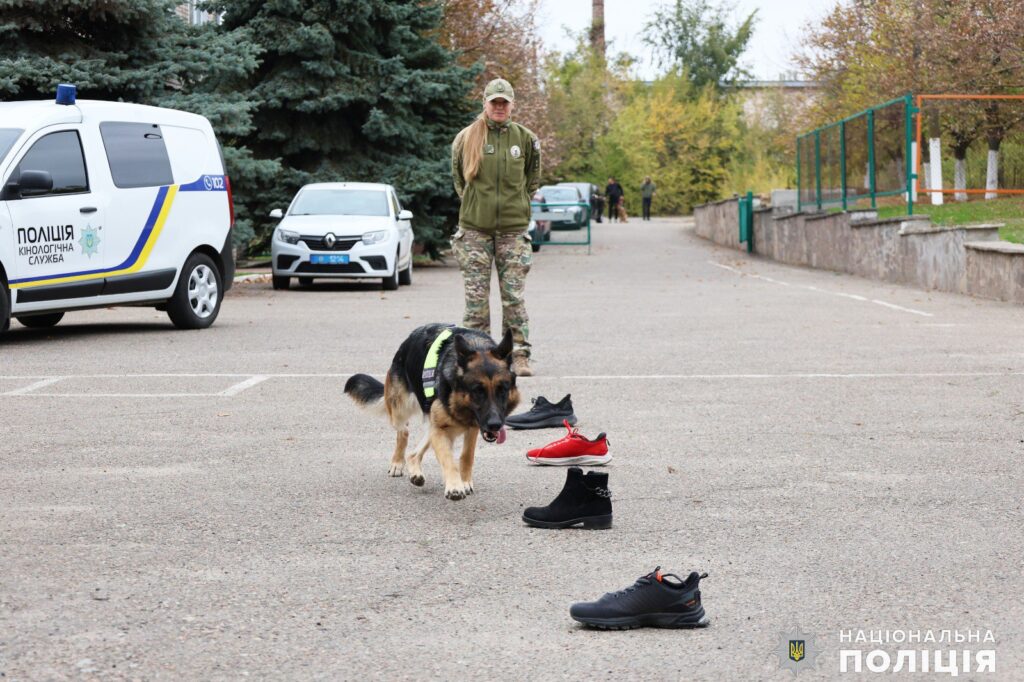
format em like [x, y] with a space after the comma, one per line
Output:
[597, 26]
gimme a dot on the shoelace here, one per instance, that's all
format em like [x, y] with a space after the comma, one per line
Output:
[646, 580]
[640, 582]
[572, 433]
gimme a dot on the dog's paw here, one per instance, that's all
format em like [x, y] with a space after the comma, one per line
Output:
[416, 479]
[468, 487]
[455, 493]
[396, 470]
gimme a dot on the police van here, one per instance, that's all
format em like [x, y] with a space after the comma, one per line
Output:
[107, 203]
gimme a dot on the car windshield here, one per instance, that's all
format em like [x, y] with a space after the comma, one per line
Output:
[562, 195]
[369, 202]
[8, 136]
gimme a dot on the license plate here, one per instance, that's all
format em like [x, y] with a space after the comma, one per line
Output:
[329, 259]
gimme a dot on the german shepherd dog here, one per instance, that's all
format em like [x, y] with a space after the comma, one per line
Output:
[474, 391]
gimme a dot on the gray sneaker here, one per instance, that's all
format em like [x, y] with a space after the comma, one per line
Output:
[657, 600]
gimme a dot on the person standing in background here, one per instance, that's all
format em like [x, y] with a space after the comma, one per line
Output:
[647, 193]
[614, 194]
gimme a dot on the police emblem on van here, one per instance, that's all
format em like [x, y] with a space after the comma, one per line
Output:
[90, 241]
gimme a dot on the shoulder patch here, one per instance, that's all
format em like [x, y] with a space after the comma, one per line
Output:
[536, 144]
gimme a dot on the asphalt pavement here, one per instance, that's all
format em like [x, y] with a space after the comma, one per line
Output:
[840, 455]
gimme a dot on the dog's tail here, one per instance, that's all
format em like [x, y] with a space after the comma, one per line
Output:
[366, 391]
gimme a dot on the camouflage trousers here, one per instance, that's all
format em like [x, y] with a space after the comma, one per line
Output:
[510, 252]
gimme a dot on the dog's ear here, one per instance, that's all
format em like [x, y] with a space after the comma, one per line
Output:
[462, 351]
[504, 349]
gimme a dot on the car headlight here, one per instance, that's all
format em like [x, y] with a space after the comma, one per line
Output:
[287, 237]
[375, 237]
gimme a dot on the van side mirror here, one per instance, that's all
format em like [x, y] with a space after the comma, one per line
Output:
[29, 183]
[405, 215]
[277, 213]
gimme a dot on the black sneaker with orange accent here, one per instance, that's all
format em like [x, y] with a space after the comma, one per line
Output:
[544, 414]
[657, 600]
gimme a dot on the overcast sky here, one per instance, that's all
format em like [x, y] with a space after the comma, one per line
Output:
[776, 34]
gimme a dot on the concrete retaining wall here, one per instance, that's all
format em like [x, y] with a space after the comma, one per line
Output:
[996, 270]
[910, 250]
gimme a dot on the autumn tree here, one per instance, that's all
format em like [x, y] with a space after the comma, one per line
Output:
[695, 36]
[869, 51]
[500, 39]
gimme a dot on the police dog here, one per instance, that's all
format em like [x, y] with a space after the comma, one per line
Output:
[474, 389]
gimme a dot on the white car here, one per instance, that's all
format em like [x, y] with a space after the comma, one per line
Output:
[343, 230]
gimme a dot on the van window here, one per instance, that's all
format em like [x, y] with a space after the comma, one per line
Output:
[191, 156]
[137, 154]
[59, 154]
[8, 136]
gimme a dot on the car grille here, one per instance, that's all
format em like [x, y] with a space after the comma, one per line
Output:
[330, 268]
[317, 244]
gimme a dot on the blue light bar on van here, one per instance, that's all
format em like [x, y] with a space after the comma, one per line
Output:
[66, 93]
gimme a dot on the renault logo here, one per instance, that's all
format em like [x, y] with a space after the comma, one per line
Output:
[329, 240]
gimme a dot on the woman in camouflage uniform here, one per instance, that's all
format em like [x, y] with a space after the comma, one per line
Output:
[496, 169]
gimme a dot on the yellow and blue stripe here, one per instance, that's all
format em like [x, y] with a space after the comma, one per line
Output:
[136, 260]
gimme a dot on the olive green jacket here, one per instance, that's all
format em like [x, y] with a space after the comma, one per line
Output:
[498, 198]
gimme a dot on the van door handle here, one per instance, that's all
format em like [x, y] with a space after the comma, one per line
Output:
[87, 209]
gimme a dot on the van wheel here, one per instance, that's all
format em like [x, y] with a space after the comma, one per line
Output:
[279, 282]
[41, 321]
[391, 283]
[196, 300]
[5, 307]
[405, 276]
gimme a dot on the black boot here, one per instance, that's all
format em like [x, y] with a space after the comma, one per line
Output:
[584, 499]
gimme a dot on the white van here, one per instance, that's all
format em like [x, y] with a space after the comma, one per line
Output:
[106, 203]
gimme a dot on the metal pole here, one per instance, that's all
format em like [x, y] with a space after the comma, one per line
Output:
[842, 160]
[871, 156]
[799, 187]
[750, 221]
[817, 168]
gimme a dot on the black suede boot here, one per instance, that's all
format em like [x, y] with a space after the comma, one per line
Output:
[584, 500]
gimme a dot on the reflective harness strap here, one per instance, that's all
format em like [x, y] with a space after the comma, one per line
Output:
[430, 364]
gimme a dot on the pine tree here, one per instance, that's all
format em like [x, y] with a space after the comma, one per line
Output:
[135, 51]
[356, 90]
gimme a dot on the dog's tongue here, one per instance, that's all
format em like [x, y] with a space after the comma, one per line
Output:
[501, 436]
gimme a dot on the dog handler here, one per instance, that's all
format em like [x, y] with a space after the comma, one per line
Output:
[496, 169]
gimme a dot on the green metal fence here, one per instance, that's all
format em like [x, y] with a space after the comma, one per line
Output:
[556, 212]
[861, 158]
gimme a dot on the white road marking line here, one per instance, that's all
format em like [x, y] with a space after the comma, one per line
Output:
[809, 287]
[899, 307]
[243, 385]
[795, 375]
[31, 387]
[185, 375]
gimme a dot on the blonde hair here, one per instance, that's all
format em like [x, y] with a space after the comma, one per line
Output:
[473, 138]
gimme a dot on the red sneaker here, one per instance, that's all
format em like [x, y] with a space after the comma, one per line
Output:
[572, 449]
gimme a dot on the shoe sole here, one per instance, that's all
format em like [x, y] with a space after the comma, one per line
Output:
[581, 460]
[589, 522]
[542, 424]
[650, 620]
